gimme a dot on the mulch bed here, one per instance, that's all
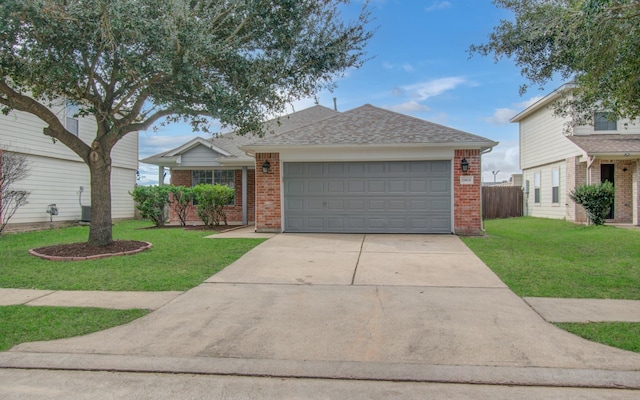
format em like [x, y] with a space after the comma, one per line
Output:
[83, 250]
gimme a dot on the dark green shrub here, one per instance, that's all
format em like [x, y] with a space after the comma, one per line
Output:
[211, 201]
[596, 199]
[152, 201]
[181, 198]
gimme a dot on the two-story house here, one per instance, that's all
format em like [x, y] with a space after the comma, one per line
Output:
[57, 175]
[555, 160]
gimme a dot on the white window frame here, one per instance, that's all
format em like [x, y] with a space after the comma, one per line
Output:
[536, 188]
[71, 122]
[215, 176]
[555, 185]
[601, 121]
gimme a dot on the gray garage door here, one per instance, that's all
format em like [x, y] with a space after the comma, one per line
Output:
[368, 197]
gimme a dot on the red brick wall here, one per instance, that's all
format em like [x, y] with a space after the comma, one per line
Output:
[234, 213]
[467, 198]
[268, 204]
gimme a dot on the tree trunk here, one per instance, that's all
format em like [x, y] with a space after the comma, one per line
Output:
[100, 231]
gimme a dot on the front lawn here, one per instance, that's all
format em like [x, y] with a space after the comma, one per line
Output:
[539, 257]
[179, 260]
[19, 324]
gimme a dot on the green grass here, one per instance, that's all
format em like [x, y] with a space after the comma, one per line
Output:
[539, 257]
[179, 260]
[623, 335]
[19, 324]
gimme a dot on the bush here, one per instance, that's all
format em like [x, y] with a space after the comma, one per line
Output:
[596, 199]
[211, 200]
[152, 202]
[181, 200]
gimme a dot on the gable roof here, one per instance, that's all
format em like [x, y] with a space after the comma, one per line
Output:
[369, 125]
[543, 102]
[608, 144]
[228, 145]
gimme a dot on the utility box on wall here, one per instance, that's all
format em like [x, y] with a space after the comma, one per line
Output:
[86, 214]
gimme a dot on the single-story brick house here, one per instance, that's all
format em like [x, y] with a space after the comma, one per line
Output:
[366, 170]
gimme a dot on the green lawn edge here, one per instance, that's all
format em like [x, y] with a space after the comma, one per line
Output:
[179, 260]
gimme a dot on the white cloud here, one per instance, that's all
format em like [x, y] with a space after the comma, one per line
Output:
[408, 107]
[527, 103]
[504, 158]
[438, 5]
[424, 90]
[406, 67]
[501, 116]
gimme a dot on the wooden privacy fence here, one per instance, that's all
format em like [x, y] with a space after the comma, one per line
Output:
[501, 202]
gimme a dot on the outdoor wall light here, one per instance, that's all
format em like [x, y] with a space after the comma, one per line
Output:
[464, 165]
[266, 166]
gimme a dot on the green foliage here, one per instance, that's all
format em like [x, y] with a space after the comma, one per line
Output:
[623, 335]
[181, 198]
[21, 324]
[539, 257]
[211, 201]
[596, 199]
[179, 260]
[152, 201]
[593, 42]
[129, 64]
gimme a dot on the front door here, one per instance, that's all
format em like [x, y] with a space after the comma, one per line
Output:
[607, 173]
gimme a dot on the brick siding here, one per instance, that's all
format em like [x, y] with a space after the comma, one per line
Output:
[268, 200]
[467, 198]
[234, 213]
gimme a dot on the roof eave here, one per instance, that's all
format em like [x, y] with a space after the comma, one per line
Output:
[543, 102]
[457, 145]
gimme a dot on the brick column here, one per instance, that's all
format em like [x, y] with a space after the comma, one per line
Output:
[268, 192]
[467, 204]
[635, 192]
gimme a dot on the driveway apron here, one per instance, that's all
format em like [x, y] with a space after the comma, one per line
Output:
[407, 307]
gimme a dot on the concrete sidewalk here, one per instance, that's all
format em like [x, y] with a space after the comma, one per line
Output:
[408, 308]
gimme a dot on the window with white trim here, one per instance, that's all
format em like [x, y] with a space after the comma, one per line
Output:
[212, 177]
[536, 188]
[71, 117]
[605, 121]
[555, 185]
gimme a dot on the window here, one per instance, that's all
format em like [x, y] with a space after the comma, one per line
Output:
[605, 121]
[212, 177]
[71, 117]
[555, 185]
[536, 187]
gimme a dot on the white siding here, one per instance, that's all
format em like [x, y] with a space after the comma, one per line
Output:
[22, 132]
[542, 140]
[200, 156]
[54, 181]
[56, 173]
[625, 127]
[546, 209]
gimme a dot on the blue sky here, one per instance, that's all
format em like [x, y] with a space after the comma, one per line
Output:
[419, 65]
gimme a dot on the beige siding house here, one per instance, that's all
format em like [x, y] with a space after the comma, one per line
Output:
[57, 175]
[555, 161]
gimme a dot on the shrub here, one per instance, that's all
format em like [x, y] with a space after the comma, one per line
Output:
[13, 168]
[596, 199]
[181, 200]
[211, 201]
[152, 202]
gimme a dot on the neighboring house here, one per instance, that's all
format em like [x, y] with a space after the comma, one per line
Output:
[366, 170]
[554, 162]
[57, 175]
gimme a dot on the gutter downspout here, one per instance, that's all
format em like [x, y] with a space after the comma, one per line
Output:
[244, 196]
[482, 152]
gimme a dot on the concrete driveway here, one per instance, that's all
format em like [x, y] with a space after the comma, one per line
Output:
[373, 307]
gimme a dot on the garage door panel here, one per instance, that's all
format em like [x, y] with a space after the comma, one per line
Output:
[397, 197]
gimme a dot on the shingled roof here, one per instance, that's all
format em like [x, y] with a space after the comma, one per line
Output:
[607, 143]
[371, 125]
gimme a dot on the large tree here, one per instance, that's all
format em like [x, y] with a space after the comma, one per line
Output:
[594, 43]
[133, 63]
